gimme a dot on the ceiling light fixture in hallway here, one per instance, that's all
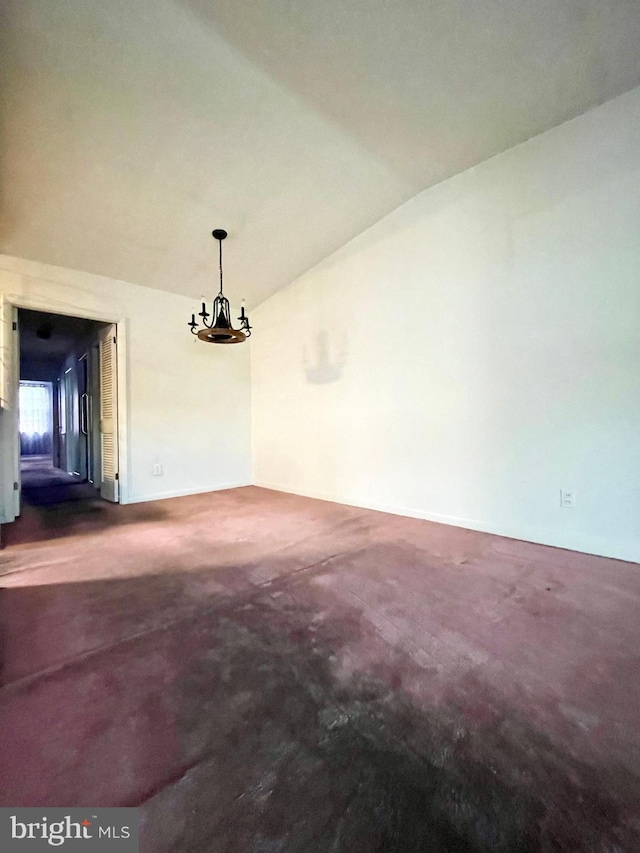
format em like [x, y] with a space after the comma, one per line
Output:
[220, 330]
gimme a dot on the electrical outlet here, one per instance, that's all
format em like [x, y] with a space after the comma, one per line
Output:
[567, 498]
[157, 469]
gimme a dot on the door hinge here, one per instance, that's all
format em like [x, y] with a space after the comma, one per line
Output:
[117, 477]
[15, 487]
[115, 341]
[15, 326]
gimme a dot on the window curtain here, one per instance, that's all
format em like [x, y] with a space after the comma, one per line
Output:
[36, 419]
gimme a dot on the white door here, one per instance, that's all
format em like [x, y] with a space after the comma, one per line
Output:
[109, 414]
[9, 414]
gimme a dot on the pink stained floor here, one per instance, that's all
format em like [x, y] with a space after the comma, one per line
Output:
[265, 672]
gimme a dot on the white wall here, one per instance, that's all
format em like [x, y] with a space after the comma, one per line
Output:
[476, 351]
[188, 403]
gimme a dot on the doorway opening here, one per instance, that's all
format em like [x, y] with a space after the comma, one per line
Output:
[67, 412]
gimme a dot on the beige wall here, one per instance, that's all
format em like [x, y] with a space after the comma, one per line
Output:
[187, 404]
[476, 351]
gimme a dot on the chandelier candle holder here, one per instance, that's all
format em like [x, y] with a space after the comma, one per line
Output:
[220, 330]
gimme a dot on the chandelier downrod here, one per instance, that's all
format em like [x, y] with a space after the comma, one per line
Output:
[220, 234]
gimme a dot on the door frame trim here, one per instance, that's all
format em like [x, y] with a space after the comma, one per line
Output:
[34, 304]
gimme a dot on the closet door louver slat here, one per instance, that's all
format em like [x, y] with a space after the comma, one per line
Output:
[109, 415]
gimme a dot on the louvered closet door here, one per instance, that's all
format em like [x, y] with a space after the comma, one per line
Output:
[109, 415]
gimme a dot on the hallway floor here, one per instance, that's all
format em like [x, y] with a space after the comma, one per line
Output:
[265, 672]
[44, 485]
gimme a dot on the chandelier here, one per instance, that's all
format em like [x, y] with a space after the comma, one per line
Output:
[220, 330]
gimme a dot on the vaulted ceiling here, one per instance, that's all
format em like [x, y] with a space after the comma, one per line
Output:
[132, 128]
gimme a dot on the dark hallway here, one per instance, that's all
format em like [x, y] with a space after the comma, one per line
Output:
[59, 404]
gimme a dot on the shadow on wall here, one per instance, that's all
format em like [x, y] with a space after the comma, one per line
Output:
[326, 364]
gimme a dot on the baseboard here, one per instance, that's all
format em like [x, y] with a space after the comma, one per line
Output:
[618, 550]
[181, 493]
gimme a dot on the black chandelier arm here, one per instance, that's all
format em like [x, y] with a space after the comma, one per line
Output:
[205, 314]
[244, 321]
[193, 325]
[244, 324]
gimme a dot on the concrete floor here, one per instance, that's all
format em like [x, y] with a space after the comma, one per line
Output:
[264, 672]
